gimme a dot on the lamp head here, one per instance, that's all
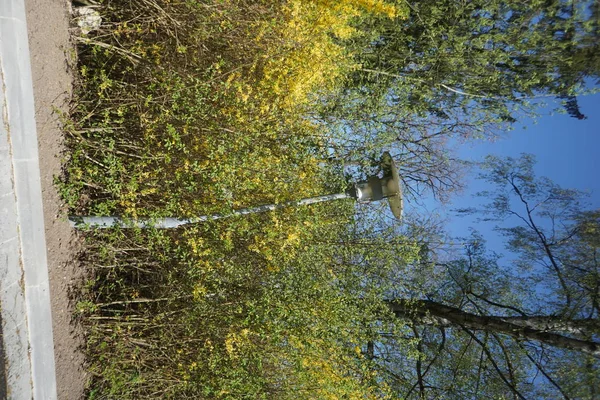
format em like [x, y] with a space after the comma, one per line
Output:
[388, 187]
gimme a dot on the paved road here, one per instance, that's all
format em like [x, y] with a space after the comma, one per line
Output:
[24, 292]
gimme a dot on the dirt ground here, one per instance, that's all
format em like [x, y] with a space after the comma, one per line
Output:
[50, 48]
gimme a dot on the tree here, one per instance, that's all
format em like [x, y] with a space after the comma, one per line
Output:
[525, 328]
[555, 232]
[454, 71]
[483, 55]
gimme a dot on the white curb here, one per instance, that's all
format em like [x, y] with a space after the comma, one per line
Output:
[24, 288]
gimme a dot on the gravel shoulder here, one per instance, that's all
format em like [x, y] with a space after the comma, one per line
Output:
[51, 50]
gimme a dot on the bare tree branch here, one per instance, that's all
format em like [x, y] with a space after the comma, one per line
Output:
[540, 368]
[494, 364]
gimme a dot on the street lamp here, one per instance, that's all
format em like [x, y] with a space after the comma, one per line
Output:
[387, 187]
[373, 189]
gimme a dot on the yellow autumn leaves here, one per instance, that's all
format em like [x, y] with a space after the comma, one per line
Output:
[309, 60]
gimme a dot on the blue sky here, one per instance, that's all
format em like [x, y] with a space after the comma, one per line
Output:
[567, 149]
[567, 152]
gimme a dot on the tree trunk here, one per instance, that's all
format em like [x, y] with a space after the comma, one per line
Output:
[429, 312]
[578, 327]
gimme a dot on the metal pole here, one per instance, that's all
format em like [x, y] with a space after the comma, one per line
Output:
[167, 223]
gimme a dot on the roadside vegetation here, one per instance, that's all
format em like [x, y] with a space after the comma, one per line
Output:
[194, 108]
[186, 108]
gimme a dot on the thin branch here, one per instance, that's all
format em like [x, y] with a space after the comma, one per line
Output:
[541, 369]
[451, 89]
[543, 241]
[507, 360]
[138, 301]
[491, 358]
[419, 364]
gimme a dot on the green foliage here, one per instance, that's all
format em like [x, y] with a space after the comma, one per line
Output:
[233, 309]
[548, 285]
[454, 71]
[194, 108]
[202, 107]
[483, 56]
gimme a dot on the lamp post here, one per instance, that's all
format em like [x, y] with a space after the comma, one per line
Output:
[373, 189]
